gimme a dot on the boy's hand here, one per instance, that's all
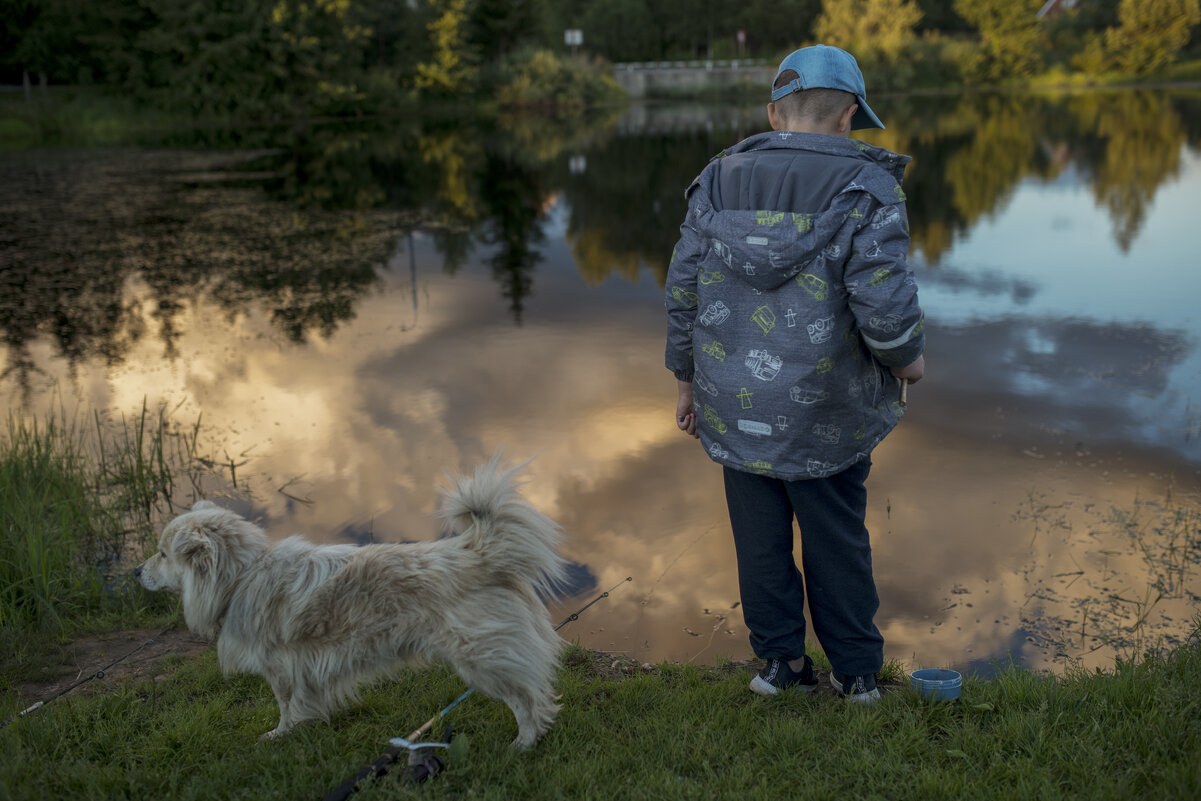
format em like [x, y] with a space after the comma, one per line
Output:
[911, 372]
[685, 416]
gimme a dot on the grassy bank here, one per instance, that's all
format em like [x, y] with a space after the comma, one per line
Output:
[629, 731]
[77, 117]
[81, 500]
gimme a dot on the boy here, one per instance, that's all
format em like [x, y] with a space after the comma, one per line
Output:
[791, 317]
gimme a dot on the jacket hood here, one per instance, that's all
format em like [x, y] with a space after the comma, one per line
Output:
[767, 247]
[893, 163]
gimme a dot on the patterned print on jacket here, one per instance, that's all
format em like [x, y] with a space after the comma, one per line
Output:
[788, 297]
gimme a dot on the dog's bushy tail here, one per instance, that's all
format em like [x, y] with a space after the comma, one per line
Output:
[514, 538]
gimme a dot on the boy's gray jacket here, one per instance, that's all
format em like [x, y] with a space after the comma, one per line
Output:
[788, 296]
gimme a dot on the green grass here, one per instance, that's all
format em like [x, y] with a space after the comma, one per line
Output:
[629, 732]
[79, 503]
[92, 116]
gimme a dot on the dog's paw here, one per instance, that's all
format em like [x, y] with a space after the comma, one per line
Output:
[274, 734]
[523, 744]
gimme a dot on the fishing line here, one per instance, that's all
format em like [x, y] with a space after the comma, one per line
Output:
[99, 674]
[421, 762]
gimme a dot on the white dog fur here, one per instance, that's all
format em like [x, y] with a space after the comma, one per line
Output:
[318, 620]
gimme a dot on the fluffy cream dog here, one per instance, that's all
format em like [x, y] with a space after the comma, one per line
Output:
[317, 620]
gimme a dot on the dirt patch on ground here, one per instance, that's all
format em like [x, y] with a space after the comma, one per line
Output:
[122, 656]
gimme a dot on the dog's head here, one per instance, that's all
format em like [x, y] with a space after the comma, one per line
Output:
[201, 555]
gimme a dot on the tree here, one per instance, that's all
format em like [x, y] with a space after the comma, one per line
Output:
[322, 45]
[453, 61]
[622, 30]
[498, 27]
[208, 56]
[399, 34]
[1150, 33]
[257, 57]
[775, 27]
[939, 15]
[68, 41]
[1011, 34]
[873, 30]
[24, 48]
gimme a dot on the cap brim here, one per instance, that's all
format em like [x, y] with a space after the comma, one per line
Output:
[865, 117]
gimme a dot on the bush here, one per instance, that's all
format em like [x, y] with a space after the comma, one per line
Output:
[1091, 58]
[934, 61]
[535, 77]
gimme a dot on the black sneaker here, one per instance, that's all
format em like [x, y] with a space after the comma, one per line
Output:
[860, 689]
[777, 675]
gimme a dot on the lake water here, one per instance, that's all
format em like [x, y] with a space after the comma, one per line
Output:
[351, 311]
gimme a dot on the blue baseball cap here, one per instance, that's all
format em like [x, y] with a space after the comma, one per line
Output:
[826, 67]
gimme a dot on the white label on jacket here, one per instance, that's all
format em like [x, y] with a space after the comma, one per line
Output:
[754, 427]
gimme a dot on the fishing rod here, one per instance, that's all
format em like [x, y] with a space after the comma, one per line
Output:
[576, 614]
[422, 762]
[99, 674]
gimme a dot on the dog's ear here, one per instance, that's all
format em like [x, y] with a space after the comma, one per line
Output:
[203, 504]
[195, 546]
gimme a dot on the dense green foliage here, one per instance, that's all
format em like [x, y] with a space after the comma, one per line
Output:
[871, 29]
[268, 58]
[1011, 36]
[1151, 31]
[289, 58]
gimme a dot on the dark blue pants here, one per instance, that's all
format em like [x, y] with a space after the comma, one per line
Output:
[836, 566]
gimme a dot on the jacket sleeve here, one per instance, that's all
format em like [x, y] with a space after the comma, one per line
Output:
[882, 289]
[680, 298]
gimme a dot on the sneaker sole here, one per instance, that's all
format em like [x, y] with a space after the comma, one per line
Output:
[869, 697]
[762, 687]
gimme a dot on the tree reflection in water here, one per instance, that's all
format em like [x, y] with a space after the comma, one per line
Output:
[300, 228]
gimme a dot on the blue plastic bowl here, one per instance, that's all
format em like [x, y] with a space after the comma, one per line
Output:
[936, 684]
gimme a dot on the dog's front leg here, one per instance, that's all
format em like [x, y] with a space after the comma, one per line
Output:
[282, 687]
